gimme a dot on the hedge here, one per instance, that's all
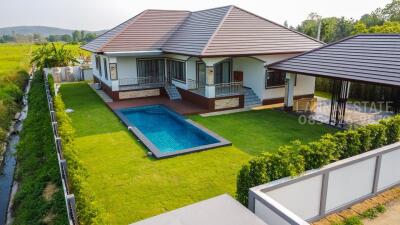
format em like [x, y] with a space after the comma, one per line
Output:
[37, 166]
[294, 159]
[89, 211]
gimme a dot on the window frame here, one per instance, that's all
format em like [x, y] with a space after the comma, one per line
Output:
[171, 76]
[267, 76]
[230, 70]
[148, 59]
[113, 76]
[105, 64]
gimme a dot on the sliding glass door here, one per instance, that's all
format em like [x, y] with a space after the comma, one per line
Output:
[222, 72]
[150, 70]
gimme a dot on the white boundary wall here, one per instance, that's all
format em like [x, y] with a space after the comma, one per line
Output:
[330, 189]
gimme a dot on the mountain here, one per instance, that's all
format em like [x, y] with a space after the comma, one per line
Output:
[42, 30]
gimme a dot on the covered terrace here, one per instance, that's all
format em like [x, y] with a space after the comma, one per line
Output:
[365, 58]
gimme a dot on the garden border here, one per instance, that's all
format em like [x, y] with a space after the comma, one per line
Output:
[62, 163]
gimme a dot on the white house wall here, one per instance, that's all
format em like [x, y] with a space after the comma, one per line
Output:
[253, 73]
[96, 71]
[254, 76]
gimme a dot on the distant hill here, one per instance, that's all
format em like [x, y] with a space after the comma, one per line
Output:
[42, 30]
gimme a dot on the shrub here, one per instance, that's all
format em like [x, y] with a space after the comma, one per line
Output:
[329, 148]
[378, 135]
[365, 139]
[392, 129]
[51, 84]
[37, 165]
[353, 144]
[268, 167]
[319, 153]
[89, 211]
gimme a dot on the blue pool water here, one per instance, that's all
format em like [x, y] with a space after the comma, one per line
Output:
[167, 130]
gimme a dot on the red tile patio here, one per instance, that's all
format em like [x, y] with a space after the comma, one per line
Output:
[182, 106]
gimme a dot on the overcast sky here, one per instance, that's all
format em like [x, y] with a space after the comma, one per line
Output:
[105, 14]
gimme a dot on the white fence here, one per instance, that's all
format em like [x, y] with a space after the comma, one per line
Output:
[330, 189]
[69, 73]
[62, 163]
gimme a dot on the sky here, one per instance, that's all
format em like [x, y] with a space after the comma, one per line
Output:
[96, 15]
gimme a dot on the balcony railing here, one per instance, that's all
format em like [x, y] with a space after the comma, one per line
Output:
[228, 89]
[140, 82]
[221, 89]
[197, 87]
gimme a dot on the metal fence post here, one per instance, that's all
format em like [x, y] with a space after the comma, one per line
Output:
[376, 173]
[324, 193]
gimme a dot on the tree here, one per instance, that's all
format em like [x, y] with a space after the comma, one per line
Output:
[76, 36]
[373, 19]
[66, 38]
[50, 56]
[391, 12]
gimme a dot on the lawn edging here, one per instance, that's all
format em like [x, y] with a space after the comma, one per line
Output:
[329, 148]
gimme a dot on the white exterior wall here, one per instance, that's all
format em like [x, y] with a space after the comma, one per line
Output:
[253, 73]
[96, 72]
[254, 76]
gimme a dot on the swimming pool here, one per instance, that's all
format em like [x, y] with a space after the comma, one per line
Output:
[166, 133]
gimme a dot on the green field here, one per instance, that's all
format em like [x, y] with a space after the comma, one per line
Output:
[130, 186]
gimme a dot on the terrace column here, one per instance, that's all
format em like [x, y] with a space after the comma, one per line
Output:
[210, 87]
[289, 91]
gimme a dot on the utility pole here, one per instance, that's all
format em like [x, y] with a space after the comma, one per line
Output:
[319, 30]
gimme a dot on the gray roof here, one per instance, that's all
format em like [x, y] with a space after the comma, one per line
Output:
[222, 31]
[373, 58]
[221, 210]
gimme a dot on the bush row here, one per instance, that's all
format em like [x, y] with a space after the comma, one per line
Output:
[294, 159]
[89, 211]
[39, 199]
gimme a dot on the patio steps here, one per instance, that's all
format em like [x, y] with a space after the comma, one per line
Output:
[250, 98]
[172, 92]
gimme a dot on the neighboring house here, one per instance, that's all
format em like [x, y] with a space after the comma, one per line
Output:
[214, 58]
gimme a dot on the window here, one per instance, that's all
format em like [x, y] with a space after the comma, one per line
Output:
[176, 70]
[276, 79]
[105, 68]
[222, 72]
[98, 65]
[113, 71]
[150, 69]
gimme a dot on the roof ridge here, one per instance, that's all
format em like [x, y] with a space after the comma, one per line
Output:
[219, 7]
[275, 23]
[217, 29]
[117, 34]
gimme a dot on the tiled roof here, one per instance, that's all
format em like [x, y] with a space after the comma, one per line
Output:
[220, 31]
[371, 58]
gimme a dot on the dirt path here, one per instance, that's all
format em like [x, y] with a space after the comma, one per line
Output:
[390, 217]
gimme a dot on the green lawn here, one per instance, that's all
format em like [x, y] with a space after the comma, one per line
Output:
[131, 186]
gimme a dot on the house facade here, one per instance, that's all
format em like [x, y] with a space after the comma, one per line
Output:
[215, 58]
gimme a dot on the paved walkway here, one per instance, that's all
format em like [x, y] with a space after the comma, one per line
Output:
[356, 114]
[390, 217]
[101, 93]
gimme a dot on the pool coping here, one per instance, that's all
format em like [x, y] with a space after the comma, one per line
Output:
[155, 151]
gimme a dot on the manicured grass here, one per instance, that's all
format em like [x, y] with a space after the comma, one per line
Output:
[264, 130]
[131, 186]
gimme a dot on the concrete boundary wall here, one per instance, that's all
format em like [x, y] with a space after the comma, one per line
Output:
[320, 192]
